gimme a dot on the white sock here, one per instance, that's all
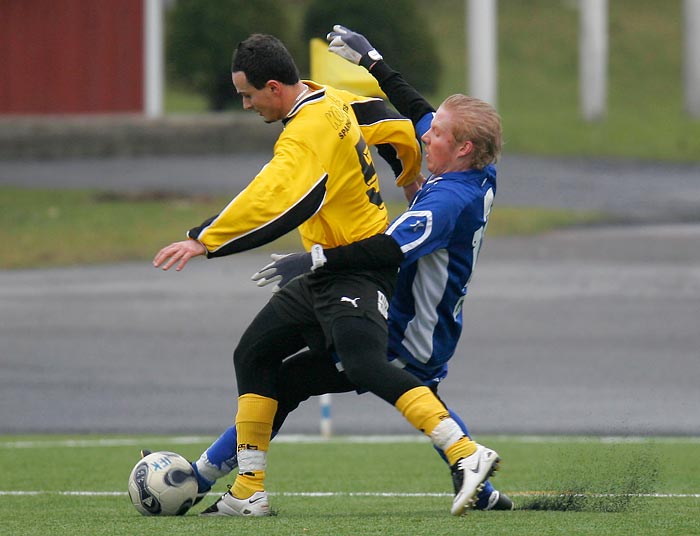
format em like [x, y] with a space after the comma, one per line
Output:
[252, 460]
[446, 434]
[210, 471]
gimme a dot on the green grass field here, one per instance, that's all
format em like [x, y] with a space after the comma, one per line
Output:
[76, 485]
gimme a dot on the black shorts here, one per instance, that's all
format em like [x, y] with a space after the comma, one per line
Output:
[320, 297]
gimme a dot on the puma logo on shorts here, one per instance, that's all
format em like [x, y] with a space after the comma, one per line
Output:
[350, 300]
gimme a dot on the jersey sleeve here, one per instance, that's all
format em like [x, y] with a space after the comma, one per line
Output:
[376, 252]
[270, 206]
[407, 100]
[426, 227]
[392, 134]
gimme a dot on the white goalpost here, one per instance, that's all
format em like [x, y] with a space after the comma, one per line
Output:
[482, 64]
[153, 58]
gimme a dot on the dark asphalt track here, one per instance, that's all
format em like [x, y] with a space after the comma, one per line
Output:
[585, 331]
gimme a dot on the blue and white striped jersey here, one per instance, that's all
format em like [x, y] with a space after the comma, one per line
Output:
[440, 235]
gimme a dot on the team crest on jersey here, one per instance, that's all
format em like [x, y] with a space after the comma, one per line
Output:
[417, 225]
[382, 305]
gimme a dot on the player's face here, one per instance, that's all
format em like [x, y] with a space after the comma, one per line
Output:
[265, 101]
[442, 151]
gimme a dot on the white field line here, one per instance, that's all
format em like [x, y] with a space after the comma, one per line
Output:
[13, 493]
[360, 439]
[290, 438]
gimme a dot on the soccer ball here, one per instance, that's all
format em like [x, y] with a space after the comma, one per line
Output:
[162, 484]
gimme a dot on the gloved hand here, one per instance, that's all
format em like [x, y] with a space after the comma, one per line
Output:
[284, 268]
[352, 46]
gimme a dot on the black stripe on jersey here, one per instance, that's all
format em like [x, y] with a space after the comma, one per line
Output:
[373, 111]
[311, 97]
[195, 231]
[290, 220]
[388, 153]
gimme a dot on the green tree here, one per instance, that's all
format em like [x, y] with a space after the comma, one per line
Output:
[201, 37]
[394, 27]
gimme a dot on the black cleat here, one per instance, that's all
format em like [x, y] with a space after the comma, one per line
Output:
[498, 501]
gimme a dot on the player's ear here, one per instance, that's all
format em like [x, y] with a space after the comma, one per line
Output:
[275, 86]
[465, 148]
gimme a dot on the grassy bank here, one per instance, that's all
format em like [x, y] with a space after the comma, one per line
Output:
[68, 227]
[538, 84]
[538, 78]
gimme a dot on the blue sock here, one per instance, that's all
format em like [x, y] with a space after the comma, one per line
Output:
[223, 450]
[203, 484]
[218, 460]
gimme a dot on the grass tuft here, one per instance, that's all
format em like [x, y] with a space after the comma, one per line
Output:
[620, 483]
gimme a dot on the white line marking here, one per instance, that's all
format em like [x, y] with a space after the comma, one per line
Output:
[17, 493]
[359, 439]
[103, 442]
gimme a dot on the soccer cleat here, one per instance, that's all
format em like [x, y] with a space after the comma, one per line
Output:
[496, 501]
[469, 475]
[256, 505]
[145, 452]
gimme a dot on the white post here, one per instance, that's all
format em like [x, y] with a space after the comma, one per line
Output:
[482, 49]
[326, 424]
[593, 58]
[153, 58]
[691, 60]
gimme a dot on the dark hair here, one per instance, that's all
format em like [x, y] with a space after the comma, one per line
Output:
[262, 58]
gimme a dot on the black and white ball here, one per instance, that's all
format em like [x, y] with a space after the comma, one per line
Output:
[162, 484]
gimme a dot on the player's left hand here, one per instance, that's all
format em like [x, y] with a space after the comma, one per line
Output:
[284, 268]
[178, 252]
[352, 46]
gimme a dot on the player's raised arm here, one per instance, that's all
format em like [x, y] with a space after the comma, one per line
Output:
[355, 48]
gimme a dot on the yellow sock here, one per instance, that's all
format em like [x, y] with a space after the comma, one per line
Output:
[425, 412]
[461, 449]
[254, 421]
[246, 484]
[253, 427]
[422, 409]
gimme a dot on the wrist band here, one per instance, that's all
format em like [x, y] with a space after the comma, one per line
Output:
[318, 259]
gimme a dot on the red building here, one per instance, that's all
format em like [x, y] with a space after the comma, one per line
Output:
[71, 56]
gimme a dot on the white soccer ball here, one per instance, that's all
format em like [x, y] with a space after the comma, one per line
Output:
[162, 484]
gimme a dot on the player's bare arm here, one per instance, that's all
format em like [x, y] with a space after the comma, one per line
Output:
[409, 191]
[178, 252]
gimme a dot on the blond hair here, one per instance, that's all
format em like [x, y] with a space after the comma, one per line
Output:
[478, 122]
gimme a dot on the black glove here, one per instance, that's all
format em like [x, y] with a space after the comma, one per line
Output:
[284, 268]
[352, 46]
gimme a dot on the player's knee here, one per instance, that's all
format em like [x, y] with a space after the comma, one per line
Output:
[356, 372]
[243, 357]
[361, 347]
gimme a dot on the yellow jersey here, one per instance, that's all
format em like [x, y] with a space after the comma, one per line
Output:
[321, 178]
